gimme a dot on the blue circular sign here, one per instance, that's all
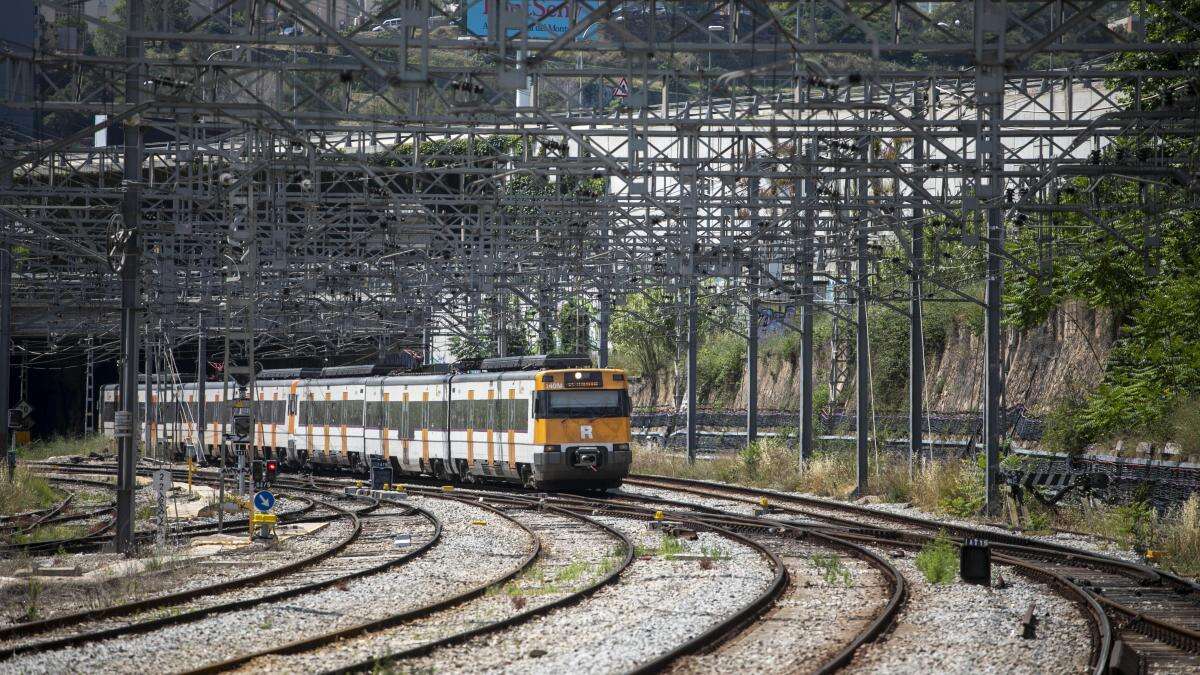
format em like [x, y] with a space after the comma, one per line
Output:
[264, 500]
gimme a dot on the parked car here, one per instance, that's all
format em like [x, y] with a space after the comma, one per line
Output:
[389, 25]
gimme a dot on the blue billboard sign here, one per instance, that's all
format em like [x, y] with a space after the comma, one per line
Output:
[548, 19]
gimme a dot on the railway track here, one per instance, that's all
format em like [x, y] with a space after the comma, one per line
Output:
[435, 627]
[1139, 617]
[349, 557]
[1143, 618]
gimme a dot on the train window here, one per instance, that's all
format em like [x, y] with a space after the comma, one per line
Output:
[435, 414]
[352, 413]
[591, 404]
[374, 415]
[520, 415]
[417, 414]
[397, 418]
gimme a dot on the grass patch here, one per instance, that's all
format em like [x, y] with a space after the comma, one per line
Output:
[938, 560]
[953, 487]
[537, 581]
[1181, 537]
[667, 547]
[30, 603]
[27, 492]
[1173, 536]
[832, 570]
[63, 445]
[615, 555]
[572, 572]
[51, 533]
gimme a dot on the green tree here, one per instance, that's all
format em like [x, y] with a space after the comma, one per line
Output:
[1143, 264]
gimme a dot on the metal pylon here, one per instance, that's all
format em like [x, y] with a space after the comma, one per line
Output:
[89, 390]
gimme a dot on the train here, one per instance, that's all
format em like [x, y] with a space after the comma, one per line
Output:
[545, 422]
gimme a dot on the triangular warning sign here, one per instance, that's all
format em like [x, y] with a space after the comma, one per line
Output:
[621, 90]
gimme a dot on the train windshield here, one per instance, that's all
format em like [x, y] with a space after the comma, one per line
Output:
[592, 403]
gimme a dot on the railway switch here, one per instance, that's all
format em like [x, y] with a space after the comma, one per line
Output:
[975, 562]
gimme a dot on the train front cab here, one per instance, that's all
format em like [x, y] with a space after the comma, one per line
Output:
[581, 423]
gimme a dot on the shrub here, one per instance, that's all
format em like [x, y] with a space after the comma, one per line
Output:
[1185, 427]
[1181, 537]
[1064, 432]
[938, 560]
[1133, 524]
[719, 365]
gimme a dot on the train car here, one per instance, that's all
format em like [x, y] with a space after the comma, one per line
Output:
[546, 422]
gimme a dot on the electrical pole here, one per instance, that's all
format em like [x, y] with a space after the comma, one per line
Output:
[862, 366]
[808, 305]
[131, 214]
[605, 309]
[6, 443]
[201, 395]
[752, 279]
[989, 88]
[916, 342]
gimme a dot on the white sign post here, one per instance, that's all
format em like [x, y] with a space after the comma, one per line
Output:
[162, 485]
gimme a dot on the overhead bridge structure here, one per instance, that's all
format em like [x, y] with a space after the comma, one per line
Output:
[271, 175]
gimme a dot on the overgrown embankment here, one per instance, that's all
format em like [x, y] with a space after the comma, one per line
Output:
[1047, 364]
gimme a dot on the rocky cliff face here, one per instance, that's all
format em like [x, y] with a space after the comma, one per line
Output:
[1066, 354]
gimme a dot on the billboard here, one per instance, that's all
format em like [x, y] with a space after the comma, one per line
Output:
[548, 19]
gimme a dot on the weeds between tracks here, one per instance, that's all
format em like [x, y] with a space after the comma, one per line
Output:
[950, 487]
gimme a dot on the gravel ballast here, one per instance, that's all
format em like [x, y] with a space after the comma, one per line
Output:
[965, 628]
[658, 603]
[574, 555]
[468, 553]
[818, 615]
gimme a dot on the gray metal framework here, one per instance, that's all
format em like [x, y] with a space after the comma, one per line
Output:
[343, 188]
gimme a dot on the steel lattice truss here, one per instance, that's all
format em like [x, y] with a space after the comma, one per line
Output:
[377, 187]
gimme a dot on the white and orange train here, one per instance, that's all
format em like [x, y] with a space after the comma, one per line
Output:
[546, 422]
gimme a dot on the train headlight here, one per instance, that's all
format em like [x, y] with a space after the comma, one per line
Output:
[552, 448]
[621, 447]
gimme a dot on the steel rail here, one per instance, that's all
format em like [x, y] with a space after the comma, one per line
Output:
[366, 627]
[374, 664]
[883, 621]
[1144, 574]
[34, 627]
[38, 517]
[272, 574]
[1020, 549]
[732, 625]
